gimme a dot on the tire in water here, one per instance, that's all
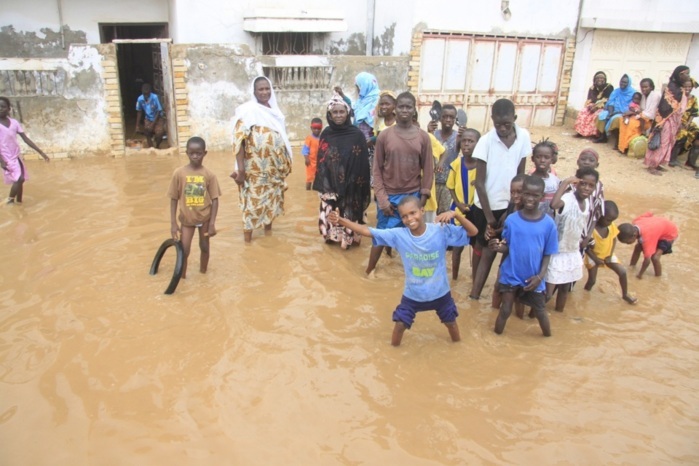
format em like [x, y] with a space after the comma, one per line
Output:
[179, 262]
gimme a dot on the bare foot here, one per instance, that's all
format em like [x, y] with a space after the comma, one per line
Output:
[629, 299]
[247, 235]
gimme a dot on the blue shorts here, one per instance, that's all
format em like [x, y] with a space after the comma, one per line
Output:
[665, 246]
[394, 221]
[406, 310]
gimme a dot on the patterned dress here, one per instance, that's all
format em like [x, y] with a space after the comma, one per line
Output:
[266, 168]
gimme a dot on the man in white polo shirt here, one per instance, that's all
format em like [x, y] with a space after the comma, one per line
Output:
[500, 155]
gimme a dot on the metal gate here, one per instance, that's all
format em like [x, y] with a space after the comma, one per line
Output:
[473, 71]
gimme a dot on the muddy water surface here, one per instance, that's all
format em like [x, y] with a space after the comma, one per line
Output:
[281, 355]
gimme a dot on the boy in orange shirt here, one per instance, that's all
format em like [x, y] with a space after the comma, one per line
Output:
[655, 236]
[310, 151]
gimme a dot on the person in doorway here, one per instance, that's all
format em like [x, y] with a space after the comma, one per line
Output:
[654, 237]
[450, 139]
[263, 158]
[310, 151]
[500, 155]
[422, 248]
[195, 189]
[528, 242]
[149, 106]
[403, 166]
[14, 171]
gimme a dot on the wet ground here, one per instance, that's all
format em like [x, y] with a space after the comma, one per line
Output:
[281, 353]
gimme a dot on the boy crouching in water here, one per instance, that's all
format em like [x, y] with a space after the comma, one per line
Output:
[529, 239]
[422, 248]
[653, 237]
[196, 190]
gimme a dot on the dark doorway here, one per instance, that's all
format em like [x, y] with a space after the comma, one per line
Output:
[139, 61]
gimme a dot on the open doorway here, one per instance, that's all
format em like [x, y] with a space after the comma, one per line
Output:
[143, 57]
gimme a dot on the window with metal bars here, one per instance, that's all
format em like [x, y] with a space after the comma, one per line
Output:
[286, 43]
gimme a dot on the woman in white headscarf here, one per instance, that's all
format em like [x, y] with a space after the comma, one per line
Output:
[263, 158]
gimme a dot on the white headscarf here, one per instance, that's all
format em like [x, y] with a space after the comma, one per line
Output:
[255, 114]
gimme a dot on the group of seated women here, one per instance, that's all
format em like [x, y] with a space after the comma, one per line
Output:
[669, 113]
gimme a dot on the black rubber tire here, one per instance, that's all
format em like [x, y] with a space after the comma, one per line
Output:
[179, 262]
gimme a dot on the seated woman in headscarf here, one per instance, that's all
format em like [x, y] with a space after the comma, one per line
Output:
[617, 105]
[687, 140]
[670, 109]
[597, 96]
[263, 158]
[643, 117]
[342, 174]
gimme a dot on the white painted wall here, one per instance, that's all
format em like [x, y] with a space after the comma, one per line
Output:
[82, 15]
[539, 18]
[642, 15]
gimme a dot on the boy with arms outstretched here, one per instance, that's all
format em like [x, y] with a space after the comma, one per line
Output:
[196, 190]
[528, 240]
[423, 250]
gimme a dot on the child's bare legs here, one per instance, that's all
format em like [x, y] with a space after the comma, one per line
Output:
[543, 318]
[620, 270]
[592, 278]
[186, 235]
[453, 328]
[247, 235]
[398, 331]
[268, 228]
[484, 265]
[655, 259]
[456, 261]
[204, 247]
[562, 296]
[17, 190]
[374, 256]
[508, 298]
[308, 186]
[475, 260]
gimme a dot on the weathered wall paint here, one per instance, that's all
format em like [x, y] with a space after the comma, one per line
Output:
[219, 79]
[72, 120]
[48, 43]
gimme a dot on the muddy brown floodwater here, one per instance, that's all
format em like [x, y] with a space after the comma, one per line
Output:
[281, 354]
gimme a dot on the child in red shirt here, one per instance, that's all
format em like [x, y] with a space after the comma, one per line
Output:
[310, 151]
[655, 236]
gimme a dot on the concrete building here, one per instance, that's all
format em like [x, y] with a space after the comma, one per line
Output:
[73, 68]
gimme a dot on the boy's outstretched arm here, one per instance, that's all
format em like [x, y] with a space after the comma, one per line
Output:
[334, 218]
[446, 217]
[174, 228]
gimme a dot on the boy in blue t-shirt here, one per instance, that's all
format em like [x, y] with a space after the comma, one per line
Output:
[423, 251]
[528, 240]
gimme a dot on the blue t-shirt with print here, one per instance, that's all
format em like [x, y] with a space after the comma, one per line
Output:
[528, 241]
[152, 107]
[424, 257]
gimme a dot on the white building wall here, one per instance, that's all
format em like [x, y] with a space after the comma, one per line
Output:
[82, 15]
[538, 18]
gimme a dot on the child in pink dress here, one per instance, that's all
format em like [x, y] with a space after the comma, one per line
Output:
[10, 160]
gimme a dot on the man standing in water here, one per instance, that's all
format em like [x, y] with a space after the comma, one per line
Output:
[403, 166]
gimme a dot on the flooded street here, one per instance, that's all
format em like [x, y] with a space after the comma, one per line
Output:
[281, 353]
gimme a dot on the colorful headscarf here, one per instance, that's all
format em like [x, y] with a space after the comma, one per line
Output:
[365, 106]
[336, 99]
[621, 98]
[255, 114]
